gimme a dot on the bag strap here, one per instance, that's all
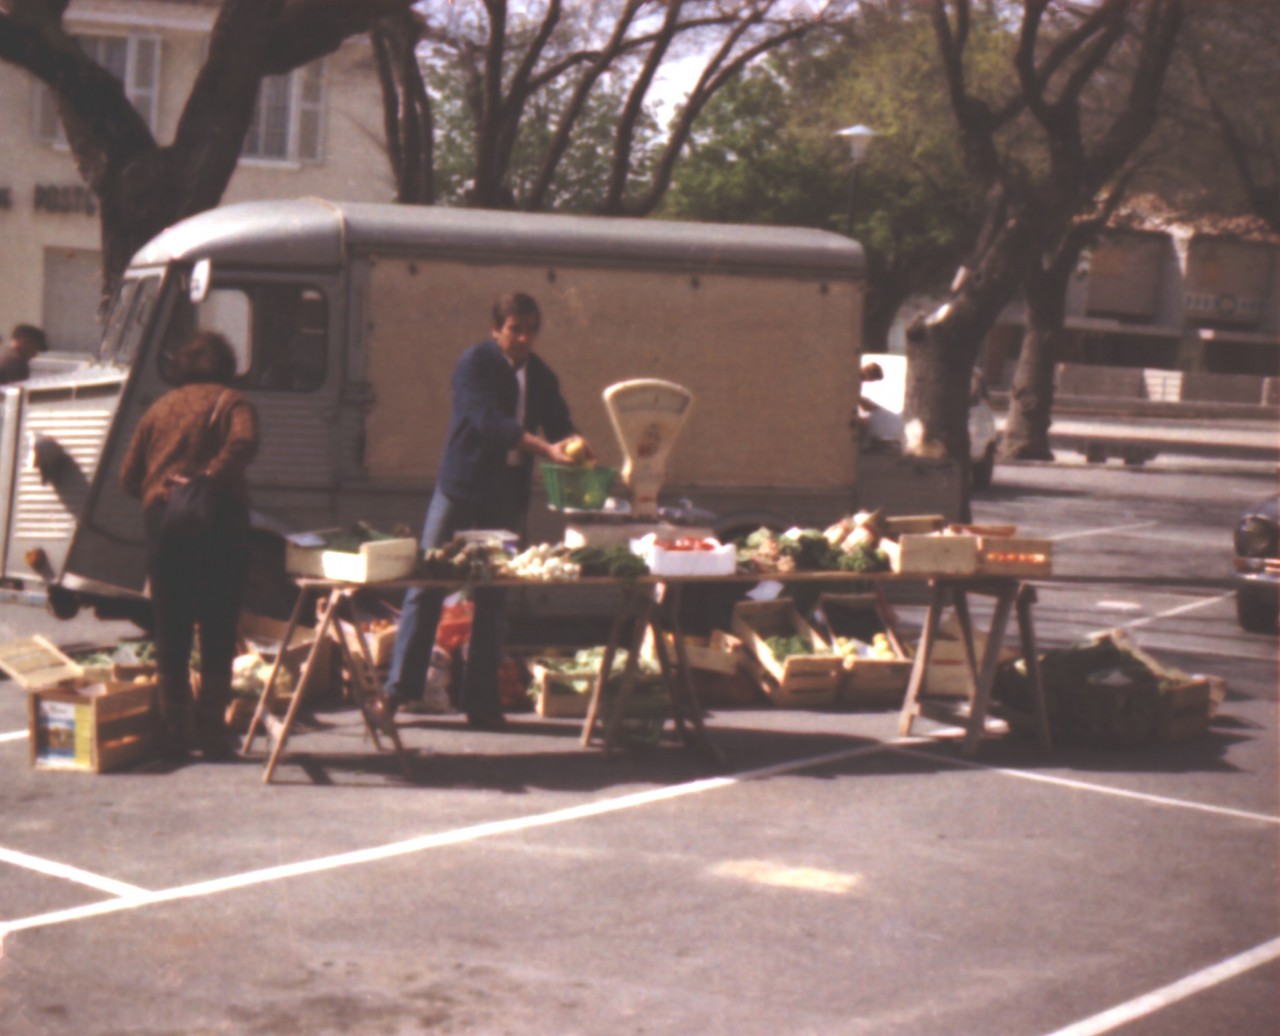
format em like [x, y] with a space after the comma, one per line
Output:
[208, 445]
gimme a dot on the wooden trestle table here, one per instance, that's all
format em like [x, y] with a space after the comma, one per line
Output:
[653, 602]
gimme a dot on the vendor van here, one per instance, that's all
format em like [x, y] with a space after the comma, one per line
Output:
[348, 319]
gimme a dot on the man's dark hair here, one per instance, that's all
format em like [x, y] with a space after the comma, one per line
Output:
[32, 334]
[515, 304]
[207, 357]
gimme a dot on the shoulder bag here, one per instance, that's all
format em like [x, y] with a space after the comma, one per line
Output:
[192, 503]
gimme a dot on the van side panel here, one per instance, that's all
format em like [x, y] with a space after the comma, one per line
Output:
[772, 362]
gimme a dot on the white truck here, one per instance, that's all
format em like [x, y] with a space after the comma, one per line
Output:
[348, 319]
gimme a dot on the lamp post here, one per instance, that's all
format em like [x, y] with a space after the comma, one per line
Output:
[859, 138]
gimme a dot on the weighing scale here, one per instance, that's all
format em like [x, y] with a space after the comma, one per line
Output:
[647, 415]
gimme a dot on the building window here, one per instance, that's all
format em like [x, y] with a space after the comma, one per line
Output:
[134, 60]
[288, 117]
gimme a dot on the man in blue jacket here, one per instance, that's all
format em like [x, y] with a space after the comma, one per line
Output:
[503, 394]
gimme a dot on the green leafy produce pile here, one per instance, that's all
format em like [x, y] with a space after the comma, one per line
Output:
[616, 562]
[786, 647]
[864, 559]
[845, 547]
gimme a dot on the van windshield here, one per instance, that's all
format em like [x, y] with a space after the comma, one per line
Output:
[127, 322]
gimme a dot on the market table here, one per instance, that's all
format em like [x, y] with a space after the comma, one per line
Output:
[653, 603]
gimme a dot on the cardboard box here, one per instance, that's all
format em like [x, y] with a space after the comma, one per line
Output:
[721, 560]
[376, 561]
[798, 680]
[91, 728]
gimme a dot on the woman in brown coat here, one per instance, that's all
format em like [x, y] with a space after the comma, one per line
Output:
[205, 429]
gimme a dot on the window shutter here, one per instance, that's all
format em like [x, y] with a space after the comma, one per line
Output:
[311, 112]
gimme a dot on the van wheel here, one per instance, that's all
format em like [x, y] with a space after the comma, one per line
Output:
[984, 470]
[268, 589]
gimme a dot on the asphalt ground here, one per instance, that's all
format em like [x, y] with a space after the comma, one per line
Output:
[833, 878]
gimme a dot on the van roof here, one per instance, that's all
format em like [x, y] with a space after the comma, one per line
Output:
[313, 233]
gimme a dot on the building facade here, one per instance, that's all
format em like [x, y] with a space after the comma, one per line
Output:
[316, 132]
[1186, 311]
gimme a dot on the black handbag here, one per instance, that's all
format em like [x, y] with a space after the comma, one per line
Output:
[191, 507]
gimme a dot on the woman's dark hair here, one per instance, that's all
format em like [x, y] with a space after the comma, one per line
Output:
[206, 357]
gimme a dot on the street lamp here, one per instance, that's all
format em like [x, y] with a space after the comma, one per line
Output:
[859, 138]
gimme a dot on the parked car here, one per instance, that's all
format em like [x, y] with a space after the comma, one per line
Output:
[884, 426]
[1257, 572]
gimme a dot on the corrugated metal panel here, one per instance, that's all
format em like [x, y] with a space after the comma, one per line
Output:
[49, 511]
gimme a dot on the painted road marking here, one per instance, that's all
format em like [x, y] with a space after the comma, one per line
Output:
[1084, 533]
[1157, 999]
[781, 875]
[1101, 789]
[61, 870]
[139, 897]
[1203, 602]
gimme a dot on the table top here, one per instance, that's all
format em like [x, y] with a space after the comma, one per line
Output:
[510, 582]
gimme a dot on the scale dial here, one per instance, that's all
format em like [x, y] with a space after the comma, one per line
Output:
[647, 414]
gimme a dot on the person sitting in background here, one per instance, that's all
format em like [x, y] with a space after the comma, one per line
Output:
[25, 341]
[205, 429]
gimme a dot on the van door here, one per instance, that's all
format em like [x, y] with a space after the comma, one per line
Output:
[283, 330]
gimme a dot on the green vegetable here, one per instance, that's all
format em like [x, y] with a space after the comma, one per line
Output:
[810, 550]
[785, 647]
[864, 559]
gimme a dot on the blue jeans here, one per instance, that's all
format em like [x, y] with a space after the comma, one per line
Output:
[420, 612]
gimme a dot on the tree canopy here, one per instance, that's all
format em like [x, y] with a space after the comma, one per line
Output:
[143, 185]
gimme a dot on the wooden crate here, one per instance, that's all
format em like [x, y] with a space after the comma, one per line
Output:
[1021, 557]
[945, 674]
[897, 525]
[934, 554]
[799, 680]
[92, 728]
[867, 682]
[558, 694]
[1187, 707]
[34, 662]
[719, 653]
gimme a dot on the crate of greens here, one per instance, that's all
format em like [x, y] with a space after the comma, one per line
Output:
[798, 667]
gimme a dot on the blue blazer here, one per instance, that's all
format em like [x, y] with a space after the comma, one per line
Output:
[482, 426]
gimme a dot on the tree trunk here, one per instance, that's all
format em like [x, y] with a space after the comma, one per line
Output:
[1026, 434]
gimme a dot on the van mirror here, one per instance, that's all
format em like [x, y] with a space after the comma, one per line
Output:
[201, 275]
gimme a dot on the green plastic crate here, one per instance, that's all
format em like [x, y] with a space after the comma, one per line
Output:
[577, 488]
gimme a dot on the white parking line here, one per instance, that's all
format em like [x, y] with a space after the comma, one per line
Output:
[1083, 533]
[1157, 999]
[1100, 789]
[1203, 602]
[140, 897]
[61, 870]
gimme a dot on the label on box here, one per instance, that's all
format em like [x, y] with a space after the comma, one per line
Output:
[63, 734]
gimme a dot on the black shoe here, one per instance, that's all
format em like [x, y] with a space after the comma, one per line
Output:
[487, 721]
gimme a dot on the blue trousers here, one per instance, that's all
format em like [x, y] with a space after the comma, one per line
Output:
[504, 508]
